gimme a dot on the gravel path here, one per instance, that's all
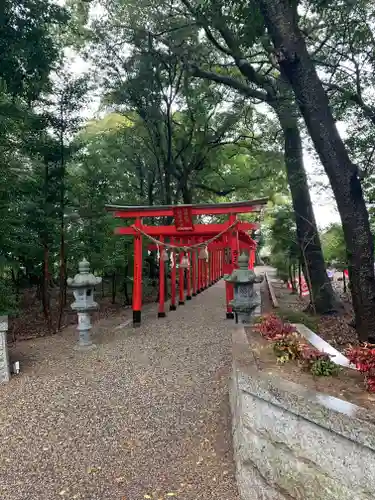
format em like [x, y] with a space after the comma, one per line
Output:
[145, 416]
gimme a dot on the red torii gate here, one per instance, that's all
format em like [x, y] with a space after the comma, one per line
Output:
[222, 242]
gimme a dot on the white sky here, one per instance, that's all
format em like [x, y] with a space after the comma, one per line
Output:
[324, 204]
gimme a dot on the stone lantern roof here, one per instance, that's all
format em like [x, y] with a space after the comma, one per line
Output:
[84, 278]
[243, 275]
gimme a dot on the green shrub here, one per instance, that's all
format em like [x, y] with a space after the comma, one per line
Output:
[7, 298]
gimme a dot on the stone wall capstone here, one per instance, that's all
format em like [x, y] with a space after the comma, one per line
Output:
[293, 443]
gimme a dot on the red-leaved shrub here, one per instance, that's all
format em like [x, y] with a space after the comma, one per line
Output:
[272, 327]
[363, 357]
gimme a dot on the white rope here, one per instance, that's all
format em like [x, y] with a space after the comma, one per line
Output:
[187, 247]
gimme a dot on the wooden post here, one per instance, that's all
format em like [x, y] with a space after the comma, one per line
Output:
[188, 276]
[210, 264]
[199, 274]
[208, 269]
[181, 275]
[194, 271]
[216, 265]
[172, 306]
[137, 278]
[204, 274]
[233, 243]
[161, 312]
[227, 270]
[206, 263]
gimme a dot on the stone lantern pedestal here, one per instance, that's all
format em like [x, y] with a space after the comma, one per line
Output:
[83, 285]
[246, 299]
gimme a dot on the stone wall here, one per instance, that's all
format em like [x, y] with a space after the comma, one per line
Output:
[4, 357]
[292, 443]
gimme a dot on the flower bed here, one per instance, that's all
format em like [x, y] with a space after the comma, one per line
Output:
[287, 345]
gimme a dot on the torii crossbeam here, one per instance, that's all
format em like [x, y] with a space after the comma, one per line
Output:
[222, 241]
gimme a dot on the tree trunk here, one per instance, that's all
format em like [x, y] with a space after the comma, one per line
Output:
[166, 292]
[45, 287]
[62, 290]
[65, 286]
[292, 283]
[300, 279]
[46, 252]
[299, 69]
[126, 293]
[322, 296]
[187, 195]
[168, 165]
[16, 284]
[114, 288]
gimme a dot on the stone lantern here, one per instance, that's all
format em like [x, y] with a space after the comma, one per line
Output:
[83, 285]
[246, 299]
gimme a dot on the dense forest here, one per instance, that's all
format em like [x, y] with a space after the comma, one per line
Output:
[198, 101]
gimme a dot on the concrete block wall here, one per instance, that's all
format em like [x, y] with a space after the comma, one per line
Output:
[292, 443]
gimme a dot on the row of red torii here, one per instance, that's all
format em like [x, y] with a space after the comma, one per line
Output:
[206, 251]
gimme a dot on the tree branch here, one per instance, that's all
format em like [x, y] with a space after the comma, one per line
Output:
[225, 192]
[229, 82]
[369, 111]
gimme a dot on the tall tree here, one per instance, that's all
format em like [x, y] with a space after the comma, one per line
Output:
[29, 51]
[295, 62]
[184, 121]
[62, 113]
